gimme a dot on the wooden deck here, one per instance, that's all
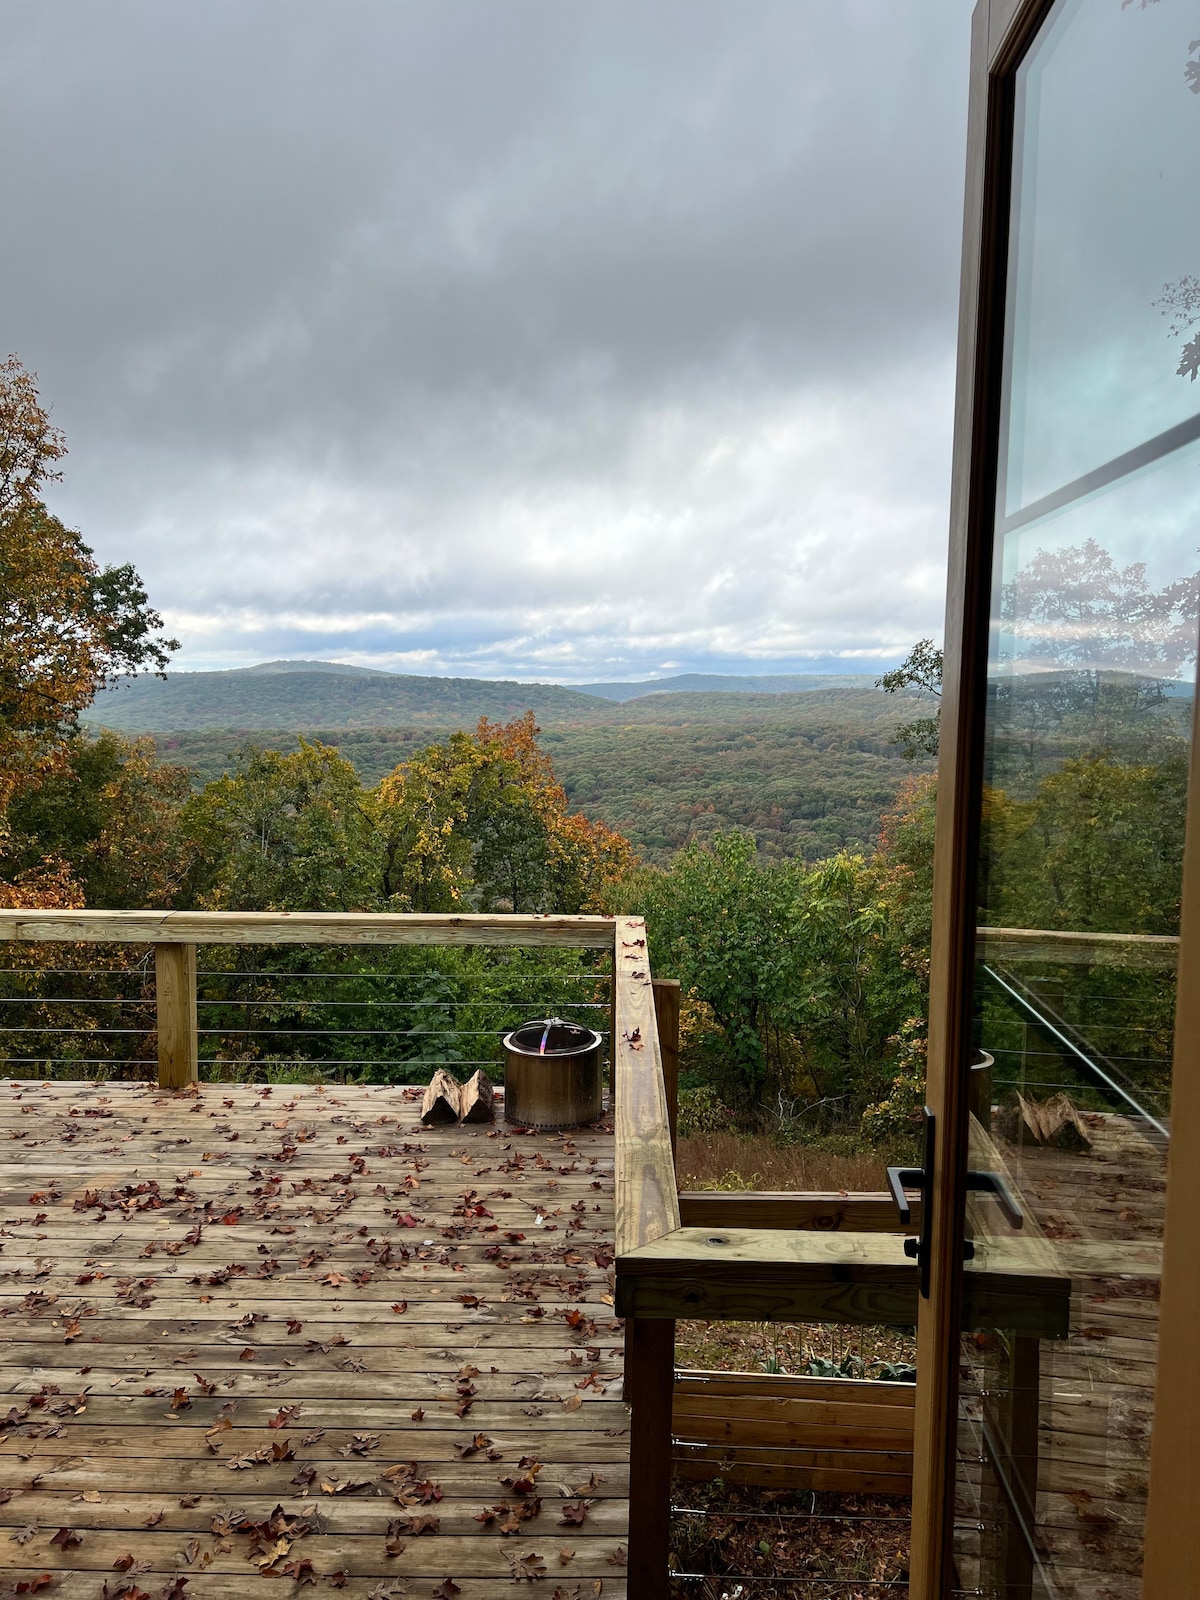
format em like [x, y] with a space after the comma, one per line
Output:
[288, 1333]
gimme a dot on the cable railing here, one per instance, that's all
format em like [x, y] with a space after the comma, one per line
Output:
[1098, 1069]
[1086, 1014]
[384, 1014]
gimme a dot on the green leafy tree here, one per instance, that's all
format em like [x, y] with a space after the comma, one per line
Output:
[1099, 848]
[481, 819]
[421, 811]
[726, 926]
[809, 972]
[285, 833]
[856, 987]
[920, 670]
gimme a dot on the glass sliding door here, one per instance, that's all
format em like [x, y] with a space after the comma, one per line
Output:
[1091, 667]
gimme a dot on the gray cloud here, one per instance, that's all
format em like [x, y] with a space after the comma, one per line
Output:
[522, 338]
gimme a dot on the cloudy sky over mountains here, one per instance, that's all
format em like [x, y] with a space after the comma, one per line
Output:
[526, 339]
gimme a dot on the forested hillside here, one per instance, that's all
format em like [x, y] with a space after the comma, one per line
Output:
[309, 695]
[808, 774]
[298, 695]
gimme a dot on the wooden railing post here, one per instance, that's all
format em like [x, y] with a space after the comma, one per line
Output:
[666, 1010]
[647, 1209]
[650, 1391]
[175, 993]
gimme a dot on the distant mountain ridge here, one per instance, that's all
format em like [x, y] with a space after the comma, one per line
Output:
[273, 668]
[250, 699]
[298, 695]
[718, 683]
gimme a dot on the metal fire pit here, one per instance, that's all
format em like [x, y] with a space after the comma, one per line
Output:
[552, 1075]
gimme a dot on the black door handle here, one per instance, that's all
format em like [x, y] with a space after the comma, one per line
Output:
[899, 1179]
[921, 1178]
[994, 1183]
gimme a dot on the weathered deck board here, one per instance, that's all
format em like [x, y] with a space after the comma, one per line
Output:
[318, 1271]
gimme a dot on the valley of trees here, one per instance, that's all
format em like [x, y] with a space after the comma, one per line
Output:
[808, 784]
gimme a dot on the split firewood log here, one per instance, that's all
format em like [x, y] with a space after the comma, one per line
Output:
[442, 1100]
[478, 1099]
[1054, 1122]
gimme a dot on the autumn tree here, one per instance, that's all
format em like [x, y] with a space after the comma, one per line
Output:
[421, 810]
[109, 813]
[67, 624]
[481, 819]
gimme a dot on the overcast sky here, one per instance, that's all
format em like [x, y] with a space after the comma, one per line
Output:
[521, 338]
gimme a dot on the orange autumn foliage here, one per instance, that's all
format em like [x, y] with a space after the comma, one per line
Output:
[482, 819]
[67, 625]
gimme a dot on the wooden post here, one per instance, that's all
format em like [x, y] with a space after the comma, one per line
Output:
[1025, 1403]
[650, 1391]
[666, 1011]
[612, 1037]
[175, 993]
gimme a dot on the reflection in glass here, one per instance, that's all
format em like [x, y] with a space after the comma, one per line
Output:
[1092, 672]
[1106, 241]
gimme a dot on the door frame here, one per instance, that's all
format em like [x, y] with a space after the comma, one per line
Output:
[1001, 33]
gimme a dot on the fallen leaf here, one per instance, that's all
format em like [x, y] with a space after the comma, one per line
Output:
[412, 1526]
[213, 1434]
[526, 1568]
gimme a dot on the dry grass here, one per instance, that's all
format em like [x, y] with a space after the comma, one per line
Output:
[787, 1347]
[844, 1547]
[735, 1161]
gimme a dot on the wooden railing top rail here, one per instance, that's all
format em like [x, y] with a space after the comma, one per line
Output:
[872, 1211]
[308, 927]
[647, 1204]
[1072, 946]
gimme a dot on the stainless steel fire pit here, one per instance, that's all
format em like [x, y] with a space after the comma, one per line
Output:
[552, 1075]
